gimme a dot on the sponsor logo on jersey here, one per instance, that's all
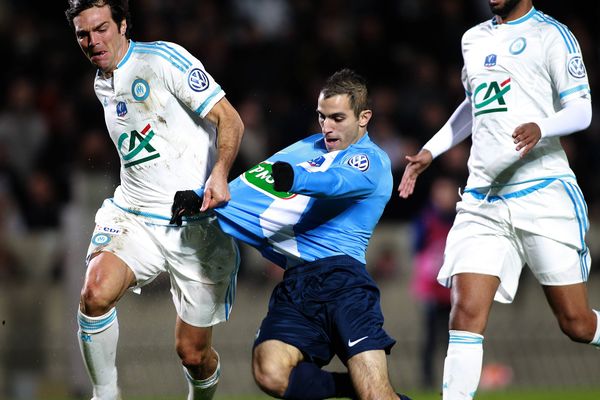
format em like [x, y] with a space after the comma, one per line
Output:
[137, 149]
[489, 97]
[198, 80]
[360, 162]
[121, 109]
[140, 89]
[260, 178]
[576, 67]
[107, 229]
[490, 60]
[517, 46]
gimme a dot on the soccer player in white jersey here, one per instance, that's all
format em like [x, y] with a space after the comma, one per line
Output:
[526, 86]
[163, 112]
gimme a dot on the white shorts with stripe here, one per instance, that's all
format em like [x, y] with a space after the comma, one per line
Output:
[201, 260]
[499, 230]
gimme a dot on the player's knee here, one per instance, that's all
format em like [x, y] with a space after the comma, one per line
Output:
[95, 301]
[270, 378]
[467, 317]
[191, 356]
[578, 328]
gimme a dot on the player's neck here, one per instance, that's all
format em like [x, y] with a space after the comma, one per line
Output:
[519, 11]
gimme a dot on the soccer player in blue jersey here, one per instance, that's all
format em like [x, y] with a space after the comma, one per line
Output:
[311, 208]
[163, 111]
[526, 86]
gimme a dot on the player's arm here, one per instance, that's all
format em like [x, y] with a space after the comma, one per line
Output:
[339, 181]
[230, 129]
[575, 116]
[455, 130]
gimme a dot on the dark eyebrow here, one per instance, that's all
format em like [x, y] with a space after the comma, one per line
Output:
[334, 115]
[81, 32]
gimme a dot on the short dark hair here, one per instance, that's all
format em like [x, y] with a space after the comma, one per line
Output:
[118, 8]
[346, 81]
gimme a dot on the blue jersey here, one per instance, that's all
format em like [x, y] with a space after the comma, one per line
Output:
[332, 208]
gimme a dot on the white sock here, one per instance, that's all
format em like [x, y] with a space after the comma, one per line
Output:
[462, 367]
[203, 389]
[596, 340]
[98, 338]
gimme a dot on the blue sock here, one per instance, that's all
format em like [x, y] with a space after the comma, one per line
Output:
[309, 382]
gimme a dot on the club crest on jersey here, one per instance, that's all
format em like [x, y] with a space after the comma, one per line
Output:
[517, 46]
[490, 60]
[121, 109]
[140, 89]
[576, 67]
[198, 80]
[360, 162]
[100, 239]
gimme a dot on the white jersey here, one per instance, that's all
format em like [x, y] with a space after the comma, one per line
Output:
[521, 71]
[154, 105]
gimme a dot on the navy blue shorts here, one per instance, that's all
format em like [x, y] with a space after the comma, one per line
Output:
[325, 308]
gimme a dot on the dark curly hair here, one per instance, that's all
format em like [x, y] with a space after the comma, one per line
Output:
[118, 8]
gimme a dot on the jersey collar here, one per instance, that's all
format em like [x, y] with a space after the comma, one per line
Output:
[127, 55]
[517, 21]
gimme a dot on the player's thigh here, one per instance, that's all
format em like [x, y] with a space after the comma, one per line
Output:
[203, 264]
[554, 263]
[128, 237]
[478, 244]
[107, 278]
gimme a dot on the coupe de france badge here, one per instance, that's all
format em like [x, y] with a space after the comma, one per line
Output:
[360, 162]
[121, 109]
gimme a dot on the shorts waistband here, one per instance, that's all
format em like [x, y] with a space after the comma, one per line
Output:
[322, 265]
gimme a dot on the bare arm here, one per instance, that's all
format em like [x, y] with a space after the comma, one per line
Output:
[230, 129]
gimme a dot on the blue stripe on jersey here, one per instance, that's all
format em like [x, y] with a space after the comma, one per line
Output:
[567, 36]
[165, 52]
[573, 90]
[176, 53]
[580, 212]
[206, 102]
[158, 216]
[132, 44]
[519, 193]
[231, 289]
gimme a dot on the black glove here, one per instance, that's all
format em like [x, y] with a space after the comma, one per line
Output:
[283, 176]
[185, 203]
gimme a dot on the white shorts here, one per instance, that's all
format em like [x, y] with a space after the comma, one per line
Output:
[541, 224]
[201, 260]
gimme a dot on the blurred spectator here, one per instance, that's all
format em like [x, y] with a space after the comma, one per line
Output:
[430, 230]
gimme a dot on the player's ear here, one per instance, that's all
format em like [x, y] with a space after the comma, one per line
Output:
[364, 117]
[123, 28]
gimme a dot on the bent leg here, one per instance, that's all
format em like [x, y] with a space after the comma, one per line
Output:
[106, 281]
[272, 364]
[200, 361]
[472, 297]
[369, 374]
[576, 319]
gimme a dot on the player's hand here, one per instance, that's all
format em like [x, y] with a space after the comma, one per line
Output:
[216, 192]
[185, 203]
[416, 164]
[283, 176]
[526, 136]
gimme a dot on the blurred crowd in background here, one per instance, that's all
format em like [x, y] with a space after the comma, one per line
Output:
[271, 57]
